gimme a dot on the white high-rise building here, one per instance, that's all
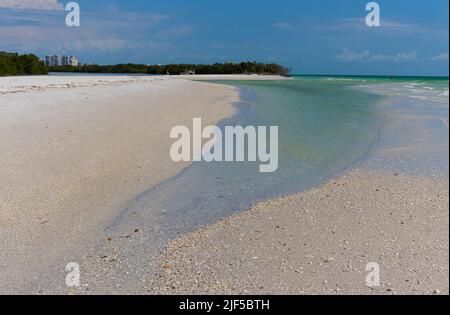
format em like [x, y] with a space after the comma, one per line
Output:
[48, 61]
[73, 61]
[56, 60]
[65, 61]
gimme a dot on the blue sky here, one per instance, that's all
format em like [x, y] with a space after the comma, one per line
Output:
[311, 37]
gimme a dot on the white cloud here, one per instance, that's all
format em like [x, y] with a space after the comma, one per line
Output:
[360, 23]
[44, 32]
[351, 56]
[66, 41]
[49, 5]
[177, 30]
[283, 25]
[387, 27]
[440, 57]
[348, 55]
[407, 56]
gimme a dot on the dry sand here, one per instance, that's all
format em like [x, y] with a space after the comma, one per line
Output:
[10, 85]
[320, 241]
[73, 150]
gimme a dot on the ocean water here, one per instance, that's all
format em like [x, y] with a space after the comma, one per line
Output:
[327, 125]
[414, 139]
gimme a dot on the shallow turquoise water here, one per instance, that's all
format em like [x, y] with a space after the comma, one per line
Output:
[324, 128]
[326, 125]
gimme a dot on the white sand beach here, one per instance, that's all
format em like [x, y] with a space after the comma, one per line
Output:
[10, 85]
[74, 150]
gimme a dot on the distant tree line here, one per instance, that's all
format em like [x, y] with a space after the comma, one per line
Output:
[176, 69]
[15, 64]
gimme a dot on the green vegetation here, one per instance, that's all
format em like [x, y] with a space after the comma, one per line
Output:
[15, 64]
[175, 69]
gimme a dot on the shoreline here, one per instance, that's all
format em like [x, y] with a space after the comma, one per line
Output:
[210, 252]
[21, 84]
[195, 261]
[115, 259]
